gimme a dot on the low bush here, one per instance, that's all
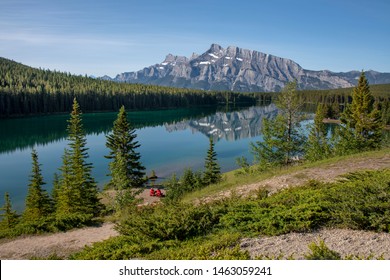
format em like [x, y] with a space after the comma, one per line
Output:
[321, 252]
[171, 222]
[51, 223]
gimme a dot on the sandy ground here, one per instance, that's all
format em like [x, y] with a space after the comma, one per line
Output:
[346, 242]
[62, 244]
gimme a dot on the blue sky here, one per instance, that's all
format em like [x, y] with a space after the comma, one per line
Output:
[110, 37]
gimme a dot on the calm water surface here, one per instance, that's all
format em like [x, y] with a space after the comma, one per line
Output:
[171, 141]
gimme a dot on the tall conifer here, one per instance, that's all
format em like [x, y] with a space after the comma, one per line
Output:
[78, 191]
[126, 169]
[10, 218]
[38, 203]
[317, 146]
[361, 122]
[282, 140]
[212, 173]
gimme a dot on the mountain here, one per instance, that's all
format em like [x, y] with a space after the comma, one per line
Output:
[228, 125]
[242, 70]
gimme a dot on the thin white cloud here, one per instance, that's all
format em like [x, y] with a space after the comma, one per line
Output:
[40, 39]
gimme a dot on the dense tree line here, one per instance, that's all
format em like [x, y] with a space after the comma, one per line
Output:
[27, 91]
[336, 100]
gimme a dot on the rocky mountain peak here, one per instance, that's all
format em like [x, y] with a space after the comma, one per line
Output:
[170, 58]
[239, 69]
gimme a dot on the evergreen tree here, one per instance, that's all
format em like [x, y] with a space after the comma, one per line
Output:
[38, 203]
[212, 173]
[56, 187]
[361, 122]
[126, 169]
[282, 140]
[78, 191]
[10, 218]
[317, 146]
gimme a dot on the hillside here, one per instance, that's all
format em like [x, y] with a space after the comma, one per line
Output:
[345, 241]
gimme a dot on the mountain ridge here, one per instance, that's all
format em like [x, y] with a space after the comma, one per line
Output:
[243, 70]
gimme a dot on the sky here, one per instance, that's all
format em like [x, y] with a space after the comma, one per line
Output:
[96, 37]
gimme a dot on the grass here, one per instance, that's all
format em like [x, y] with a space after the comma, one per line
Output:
[213, 230]
[237, 178]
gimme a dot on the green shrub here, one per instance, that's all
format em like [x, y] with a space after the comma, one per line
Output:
[171, 222]
[51, 223]
[321, 252]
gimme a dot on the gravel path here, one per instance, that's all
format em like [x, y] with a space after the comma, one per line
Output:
[62, 244]
[347, 242]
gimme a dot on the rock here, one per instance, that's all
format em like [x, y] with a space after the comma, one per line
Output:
[241, 70]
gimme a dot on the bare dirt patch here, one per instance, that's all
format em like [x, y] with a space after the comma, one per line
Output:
[362, 244]
[61, 244]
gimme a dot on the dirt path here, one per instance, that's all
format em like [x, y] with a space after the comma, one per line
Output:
[62, 244]
[344, 241]
[328, 173]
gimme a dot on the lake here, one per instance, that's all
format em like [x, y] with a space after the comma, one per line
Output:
[171, 141]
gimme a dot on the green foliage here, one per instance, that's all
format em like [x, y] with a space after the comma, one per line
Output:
[220, 246]
[282, 140]
[77, 191]
[9, 216]
[321, 252]
[188, 182]
[212, 173]
[361, 202]
[299, 210]
[317, 147]
[362, 125]
[26, 91]
[279, 146]
[212, 231]
[244, 164]
[126, 170]
[38, 202]
[50, 223]
[171, 222]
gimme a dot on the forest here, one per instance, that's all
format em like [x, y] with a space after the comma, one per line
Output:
[29, 91]
[26, 91]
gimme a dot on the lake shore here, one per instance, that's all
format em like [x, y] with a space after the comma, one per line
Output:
[345, 241]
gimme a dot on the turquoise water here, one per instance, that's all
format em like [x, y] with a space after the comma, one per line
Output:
[171, 140]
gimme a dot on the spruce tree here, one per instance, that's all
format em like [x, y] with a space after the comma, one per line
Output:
[126, 169]
[317, 146]
[282, 140]
[78, 191]
[38, 203]
[361, 122]
[10, 218]
[212, 173]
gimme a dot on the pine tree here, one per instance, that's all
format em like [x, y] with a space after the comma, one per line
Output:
[10, 218]
[126, 169]
[282, 140]
[78, 191]
[317, 146]
[212, 173]
[361, 122]
[38, 203]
